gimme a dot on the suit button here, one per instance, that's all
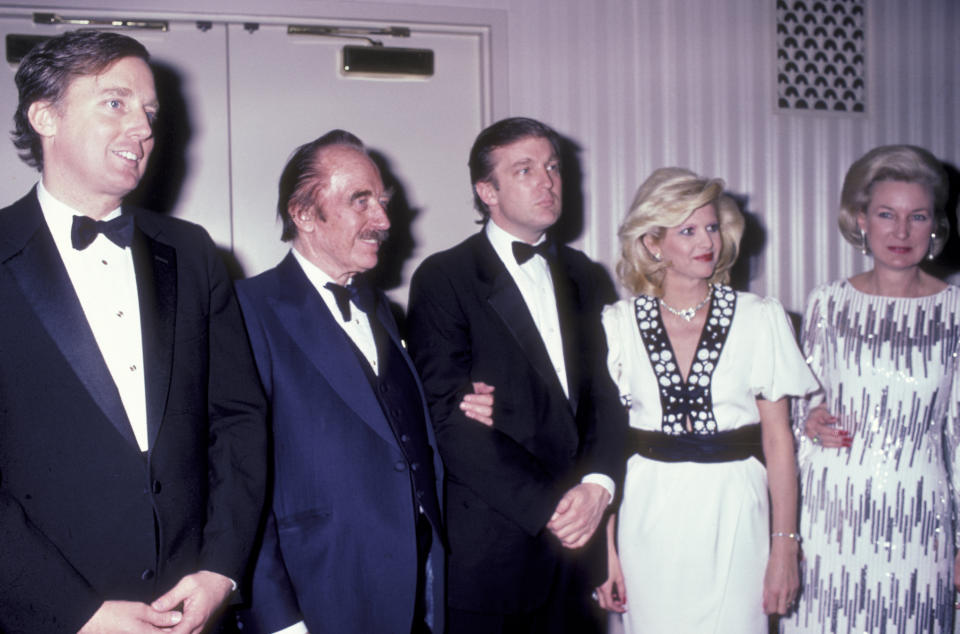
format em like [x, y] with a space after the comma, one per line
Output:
[404, 438]
[146, 575]
[399, 466]
[419, 494]
[414, 466]
[395, 412]
[384, 388]
[156, 487]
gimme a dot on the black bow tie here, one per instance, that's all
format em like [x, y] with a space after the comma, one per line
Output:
[523, 251]
[84, 231]
[343, 295]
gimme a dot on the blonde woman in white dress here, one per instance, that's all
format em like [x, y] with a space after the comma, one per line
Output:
[706, 373]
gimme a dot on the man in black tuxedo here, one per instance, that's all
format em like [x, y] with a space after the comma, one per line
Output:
[132, 435]
[518, 312]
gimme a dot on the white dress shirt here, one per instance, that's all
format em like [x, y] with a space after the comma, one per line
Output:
[535, 282]
[358, 328]
[106, 285]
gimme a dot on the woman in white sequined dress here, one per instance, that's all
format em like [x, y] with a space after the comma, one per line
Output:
[878, 444]
[706, 535]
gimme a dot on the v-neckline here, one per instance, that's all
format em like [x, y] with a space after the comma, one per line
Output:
[673, 351]
[683, 398]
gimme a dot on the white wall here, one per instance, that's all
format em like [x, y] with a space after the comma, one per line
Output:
[640, 84]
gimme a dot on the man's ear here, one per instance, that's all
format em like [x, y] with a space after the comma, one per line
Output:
[43, 117]
[303, 217]
[487, 192]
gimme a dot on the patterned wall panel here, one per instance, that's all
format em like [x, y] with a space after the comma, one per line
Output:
[820, 55]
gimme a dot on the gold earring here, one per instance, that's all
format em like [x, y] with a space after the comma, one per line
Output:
[657, 256]
[864, 249]
[933, 237]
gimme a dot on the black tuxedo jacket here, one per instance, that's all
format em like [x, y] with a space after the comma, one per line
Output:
[85, 516]
[468, 322]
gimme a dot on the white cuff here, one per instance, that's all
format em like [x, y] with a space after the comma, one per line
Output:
[297, 628]
[603, 480]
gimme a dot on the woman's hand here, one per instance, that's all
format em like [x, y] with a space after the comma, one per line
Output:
[782, 578]
[821, 429]
[612, 595]
[479, 404]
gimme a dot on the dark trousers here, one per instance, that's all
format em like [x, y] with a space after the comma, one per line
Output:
[424, 541]
[569, 610]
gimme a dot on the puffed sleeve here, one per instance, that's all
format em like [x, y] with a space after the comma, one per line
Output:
[813, 342]
[614, 317]
[778, 368]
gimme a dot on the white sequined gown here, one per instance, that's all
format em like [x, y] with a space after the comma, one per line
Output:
[693, 538]
[876, 519]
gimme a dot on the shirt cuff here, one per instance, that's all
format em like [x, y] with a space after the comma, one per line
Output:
[603, 480]
[297, 628]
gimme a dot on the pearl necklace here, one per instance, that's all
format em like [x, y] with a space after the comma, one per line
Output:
[687, 314]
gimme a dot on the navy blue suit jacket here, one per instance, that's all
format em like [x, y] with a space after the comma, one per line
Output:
[84, 515]
[339, 547]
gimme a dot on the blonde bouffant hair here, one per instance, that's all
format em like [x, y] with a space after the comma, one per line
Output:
[899, 163]
[665, 200]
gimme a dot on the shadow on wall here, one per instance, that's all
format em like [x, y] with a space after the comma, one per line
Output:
[388, 274]
[947, 264]
[752, 244]
[394, 253]
[160, 187]
[570, 225]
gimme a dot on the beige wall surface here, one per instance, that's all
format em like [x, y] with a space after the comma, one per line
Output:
[639, 84]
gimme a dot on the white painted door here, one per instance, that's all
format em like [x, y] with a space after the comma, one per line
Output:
[191, 159]
[237, 102]
[287, 90]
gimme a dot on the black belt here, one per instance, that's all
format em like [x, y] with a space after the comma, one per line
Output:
[726, 446]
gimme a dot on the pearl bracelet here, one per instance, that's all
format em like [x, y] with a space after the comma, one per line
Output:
[794, 536]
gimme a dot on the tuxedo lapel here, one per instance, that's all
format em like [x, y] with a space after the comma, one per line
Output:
[155, 264]
[507, 301]
[43, 280]
[389, 324]
[313, 328]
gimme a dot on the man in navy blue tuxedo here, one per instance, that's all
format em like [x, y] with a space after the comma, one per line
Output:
[132, 424]
[354, 536]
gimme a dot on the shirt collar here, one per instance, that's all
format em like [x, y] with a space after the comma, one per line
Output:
[317, 276]
[59, 216]
[502, 242]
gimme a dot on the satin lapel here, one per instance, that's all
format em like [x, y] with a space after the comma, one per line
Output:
[310, 324]
[568, 307]
[155, 264]
[507, 302]
[386, 319]
[43, 279]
